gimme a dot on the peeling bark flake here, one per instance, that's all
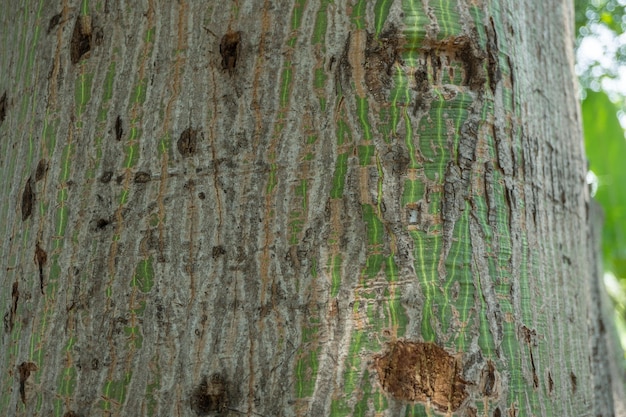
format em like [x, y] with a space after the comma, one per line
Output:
[343, 71]
[489, 380]
[380, 56]
[493, 67]
[417, 371]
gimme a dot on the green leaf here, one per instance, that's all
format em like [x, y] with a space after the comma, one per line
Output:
[606, 151]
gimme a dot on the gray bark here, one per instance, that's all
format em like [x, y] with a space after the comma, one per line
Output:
[266, 208]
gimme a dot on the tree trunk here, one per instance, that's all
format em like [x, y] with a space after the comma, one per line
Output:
[307, 208]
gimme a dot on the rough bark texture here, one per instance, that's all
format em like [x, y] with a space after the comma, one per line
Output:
[293, 208]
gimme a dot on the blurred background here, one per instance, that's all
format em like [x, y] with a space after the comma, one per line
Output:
[601, 68]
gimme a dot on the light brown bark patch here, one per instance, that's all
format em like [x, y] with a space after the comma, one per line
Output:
[356, 57]
[421, 372]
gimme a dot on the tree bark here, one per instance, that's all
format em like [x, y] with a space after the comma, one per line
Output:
[294, 209]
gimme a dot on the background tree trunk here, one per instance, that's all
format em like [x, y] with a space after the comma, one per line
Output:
[293, 208]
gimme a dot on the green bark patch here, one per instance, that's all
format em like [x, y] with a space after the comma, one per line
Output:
[144, 276]
[422, 372]
[115, 392]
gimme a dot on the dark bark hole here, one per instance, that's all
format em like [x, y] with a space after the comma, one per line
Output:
[81, 38]
[54, 21]
[3, 107]
[229, 49]
[574, 380]
[41, 256]
[102, 223]
[550, 383]
[211, 396]
[472, 60]
[497, 412]
[42, 168]
[188, 141]
[28, 198]
[119, 130]
[106, 177]
[142, 177]
[218, 251]
[489, 380]
[9, 317]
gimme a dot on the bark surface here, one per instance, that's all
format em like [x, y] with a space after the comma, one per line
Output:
[293, 209]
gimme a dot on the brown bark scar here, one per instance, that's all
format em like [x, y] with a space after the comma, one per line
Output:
[188, 142]
[229, 50]
[80, 43]
[24, 369]
[211, 396]
[422, 372]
